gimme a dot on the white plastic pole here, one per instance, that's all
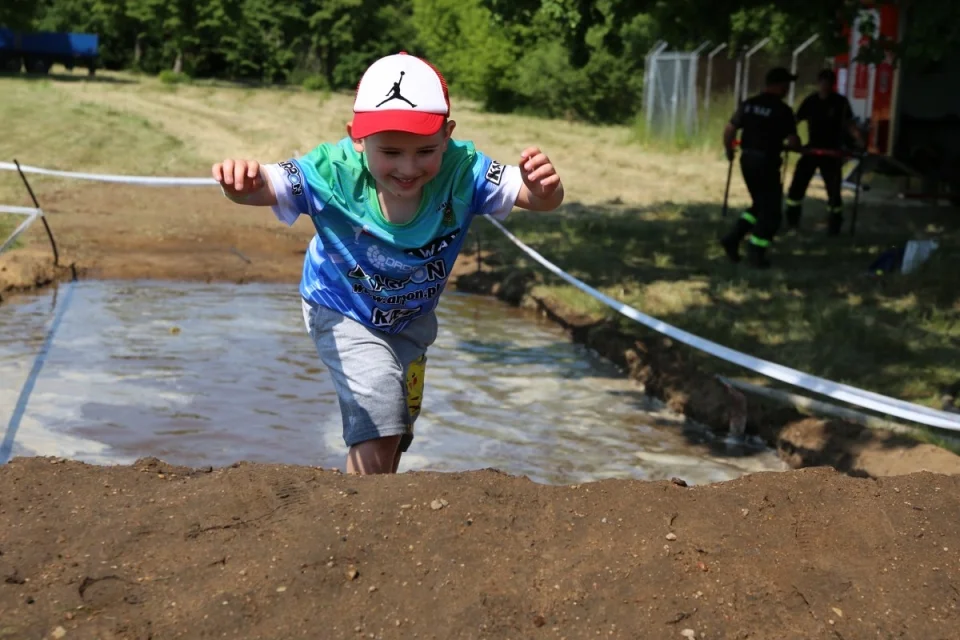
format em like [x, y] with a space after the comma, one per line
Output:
[746, 66]
[709, 82]
[737, 80]
[676, 92]
[650, 80]
[692, 101]
[646, 74]
[793, 63]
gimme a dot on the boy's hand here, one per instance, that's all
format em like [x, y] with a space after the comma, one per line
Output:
[242, 182]
[238, 177]
[538, 173]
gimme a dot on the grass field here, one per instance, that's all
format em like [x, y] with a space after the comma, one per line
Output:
[129, 125]
[640, 222]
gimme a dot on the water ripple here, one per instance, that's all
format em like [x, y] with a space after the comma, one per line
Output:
[203, 374]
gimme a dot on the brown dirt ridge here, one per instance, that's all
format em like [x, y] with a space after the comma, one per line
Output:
[269, 551]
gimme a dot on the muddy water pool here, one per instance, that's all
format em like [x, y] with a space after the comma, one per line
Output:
[209, 374]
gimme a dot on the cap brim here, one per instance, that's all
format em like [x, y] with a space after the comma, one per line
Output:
[367, 123]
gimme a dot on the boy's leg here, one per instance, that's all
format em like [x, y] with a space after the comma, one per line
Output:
[381, 455]
[369, 370]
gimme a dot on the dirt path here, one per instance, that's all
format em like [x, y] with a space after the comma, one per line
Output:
[258, 551]
[179, 234]
[139, 232]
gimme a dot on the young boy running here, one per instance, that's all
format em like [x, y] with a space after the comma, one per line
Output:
[391, 204]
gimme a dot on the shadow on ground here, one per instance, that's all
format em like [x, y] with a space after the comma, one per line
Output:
[69, 77]
[128, 78]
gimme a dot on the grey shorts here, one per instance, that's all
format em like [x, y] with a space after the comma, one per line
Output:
[378, 376]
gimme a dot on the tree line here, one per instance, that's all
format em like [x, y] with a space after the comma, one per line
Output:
[568, 58]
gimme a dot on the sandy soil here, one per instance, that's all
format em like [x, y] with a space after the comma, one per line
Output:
[259, 551]
[256, 551]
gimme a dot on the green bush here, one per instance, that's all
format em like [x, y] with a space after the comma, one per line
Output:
[168, 76]
[549, 85]
[315, 82]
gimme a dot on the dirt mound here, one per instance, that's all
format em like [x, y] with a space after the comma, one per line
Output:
[256, 551]
[28, 269]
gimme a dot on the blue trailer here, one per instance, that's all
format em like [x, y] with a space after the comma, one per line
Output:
[37, 52]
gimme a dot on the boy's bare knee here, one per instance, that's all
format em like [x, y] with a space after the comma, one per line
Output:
[374, 456]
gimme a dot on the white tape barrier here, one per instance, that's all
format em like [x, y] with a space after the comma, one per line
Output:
[98, 177]
[835, 390]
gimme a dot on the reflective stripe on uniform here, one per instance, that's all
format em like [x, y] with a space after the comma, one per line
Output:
[746, 215]
[759, 242]
[836, 209]
[793, 203]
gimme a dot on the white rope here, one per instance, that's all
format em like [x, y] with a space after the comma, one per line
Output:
[99, 177]
[835, 390]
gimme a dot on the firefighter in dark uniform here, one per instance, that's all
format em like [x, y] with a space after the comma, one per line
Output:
[829, 120]
[767, 122]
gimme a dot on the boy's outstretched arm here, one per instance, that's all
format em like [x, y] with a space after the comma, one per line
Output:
[243, 182]
[542, 189]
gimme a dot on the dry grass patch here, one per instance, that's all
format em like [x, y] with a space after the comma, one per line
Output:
[128, 124]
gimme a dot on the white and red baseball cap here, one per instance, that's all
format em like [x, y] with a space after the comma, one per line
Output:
[400, 93]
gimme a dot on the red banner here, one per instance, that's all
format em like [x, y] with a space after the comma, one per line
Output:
[854, 79]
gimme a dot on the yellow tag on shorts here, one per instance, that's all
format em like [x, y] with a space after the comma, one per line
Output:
[415, 375]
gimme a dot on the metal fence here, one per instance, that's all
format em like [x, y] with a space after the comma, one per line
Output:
[670, 90]
[682, 88]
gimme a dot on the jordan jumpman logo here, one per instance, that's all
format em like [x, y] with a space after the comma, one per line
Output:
[394, 93]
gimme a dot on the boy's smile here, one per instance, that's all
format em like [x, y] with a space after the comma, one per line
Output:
[405, 184]
[402, 163]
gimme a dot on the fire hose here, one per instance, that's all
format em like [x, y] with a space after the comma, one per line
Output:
[809, 151]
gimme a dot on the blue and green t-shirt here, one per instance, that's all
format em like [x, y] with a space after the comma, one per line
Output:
[381, 274]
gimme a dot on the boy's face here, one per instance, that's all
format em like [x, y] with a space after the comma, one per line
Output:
[403, 162]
